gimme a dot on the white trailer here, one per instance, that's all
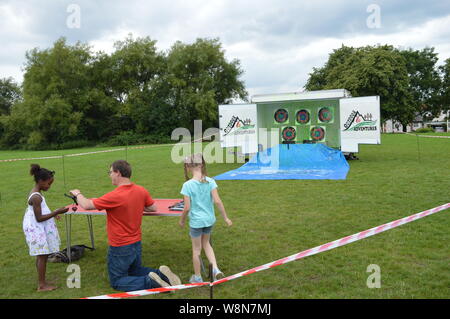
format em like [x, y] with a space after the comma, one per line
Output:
[331, 117]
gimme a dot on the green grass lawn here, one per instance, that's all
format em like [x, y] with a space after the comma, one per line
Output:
[271, 219]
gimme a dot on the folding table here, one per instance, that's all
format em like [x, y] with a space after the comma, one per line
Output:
[162, 210]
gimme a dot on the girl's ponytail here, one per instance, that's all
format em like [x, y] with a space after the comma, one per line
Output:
[203, 180]
[186, 175]
[34, 169]
[40, 174]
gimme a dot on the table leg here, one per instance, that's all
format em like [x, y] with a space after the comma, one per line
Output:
[68, 220]
[91, 231]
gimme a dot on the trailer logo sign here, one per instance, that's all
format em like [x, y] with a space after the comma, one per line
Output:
[239, 126]
[358, 122]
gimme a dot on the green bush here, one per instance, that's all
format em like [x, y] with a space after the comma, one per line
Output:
[424, 130]
[130, 138]
[73, 144]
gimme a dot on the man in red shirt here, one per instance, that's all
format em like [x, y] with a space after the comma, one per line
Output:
[124, 207]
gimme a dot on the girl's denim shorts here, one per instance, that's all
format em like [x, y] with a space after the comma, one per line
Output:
[196, 232]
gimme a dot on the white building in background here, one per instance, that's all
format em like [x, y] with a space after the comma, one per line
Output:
[438, 124]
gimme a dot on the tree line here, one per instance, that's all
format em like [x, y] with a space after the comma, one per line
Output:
[408, 81]
[71, 96]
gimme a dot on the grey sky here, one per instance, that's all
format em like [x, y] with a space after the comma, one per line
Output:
[277, 42]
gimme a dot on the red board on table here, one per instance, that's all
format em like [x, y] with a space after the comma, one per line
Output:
[161, 204]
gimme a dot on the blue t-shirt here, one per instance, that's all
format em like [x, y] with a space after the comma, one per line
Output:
[201, 213]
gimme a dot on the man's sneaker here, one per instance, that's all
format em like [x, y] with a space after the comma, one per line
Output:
[174, 280]
[155, 277]
[195, 279]
[217, 274]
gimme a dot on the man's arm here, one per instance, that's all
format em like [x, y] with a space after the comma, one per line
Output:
[84, 202]
[152, 208]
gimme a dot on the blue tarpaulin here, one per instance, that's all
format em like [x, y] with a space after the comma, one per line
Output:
[292, 161]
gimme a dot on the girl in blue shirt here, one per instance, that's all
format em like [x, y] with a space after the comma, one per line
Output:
[200, 195]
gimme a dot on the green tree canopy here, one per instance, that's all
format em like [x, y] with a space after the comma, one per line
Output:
[10, 93]
[424, 80]
[369, 70]
[55, 95]
[200, 78]
[71, 94]
[445, 93]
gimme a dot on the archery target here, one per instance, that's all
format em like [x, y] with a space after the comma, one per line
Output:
[289, 134]
[325, 115]
[317, 133]
[281, 116]
[302, 116]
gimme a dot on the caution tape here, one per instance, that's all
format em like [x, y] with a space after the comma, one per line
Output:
[432, 136]
[309, 252]
[144, 292]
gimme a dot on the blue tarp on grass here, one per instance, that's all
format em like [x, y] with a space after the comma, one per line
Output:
[292, 161]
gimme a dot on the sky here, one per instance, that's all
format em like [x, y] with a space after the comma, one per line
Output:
[277, 42]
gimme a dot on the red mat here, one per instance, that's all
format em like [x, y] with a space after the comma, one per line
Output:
[162, 209]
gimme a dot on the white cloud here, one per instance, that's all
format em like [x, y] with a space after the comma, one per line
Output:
[287, 71]
[278, 43]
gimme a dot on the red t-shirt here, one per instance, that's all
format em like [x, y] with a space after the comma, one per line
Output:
[124, 207]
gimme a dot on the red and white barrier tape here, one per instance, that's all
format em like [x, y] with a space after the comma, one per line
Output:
[432, 136]
[337, 243]
[309, 252]
[144, 292]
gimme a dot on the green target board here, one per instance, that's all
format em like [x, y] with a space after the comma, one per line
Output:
[309, 121]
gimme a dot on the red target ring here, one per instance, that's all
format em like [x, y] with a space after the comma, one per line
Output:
[317, 133]
[289, 133]
[325, 114]
[281, 116]
[302, 116]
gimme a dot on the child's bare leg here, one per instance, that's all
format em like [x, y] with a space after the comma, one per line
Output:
[209, 252]
[196, 251]
[41, 265]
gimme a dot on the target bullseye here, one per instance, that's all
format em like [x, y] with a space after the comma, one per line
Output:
[317, 133]
[302, 116]
[281, 116]
[325, 115]
[289, 133]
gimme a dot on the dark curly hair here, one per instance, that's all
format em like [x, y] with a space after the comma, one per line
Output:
[40, 174]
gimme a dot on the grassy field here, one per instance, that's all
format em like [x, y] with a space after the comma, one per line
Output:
[272, 219]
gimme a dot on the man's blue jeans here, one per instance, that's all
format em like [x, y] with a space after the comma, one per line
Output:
[125, 269]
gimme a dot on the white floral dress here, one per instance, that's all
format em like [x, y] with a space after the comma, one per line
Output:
[42, 237]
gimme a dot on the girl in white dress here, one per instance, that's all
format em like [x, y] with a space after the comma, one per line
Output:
[39, 226]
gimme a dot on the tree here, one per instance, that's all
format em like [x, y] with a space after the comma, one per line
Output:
[62, 102]
[445, 91]
[137, 69]
[370, 70]
[201, 78]
[424, 79]
[10, 93]
[55, 92]
[71, 94]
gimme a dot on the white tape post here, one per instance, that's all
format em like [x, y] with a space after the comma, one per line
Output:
[309, 252]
